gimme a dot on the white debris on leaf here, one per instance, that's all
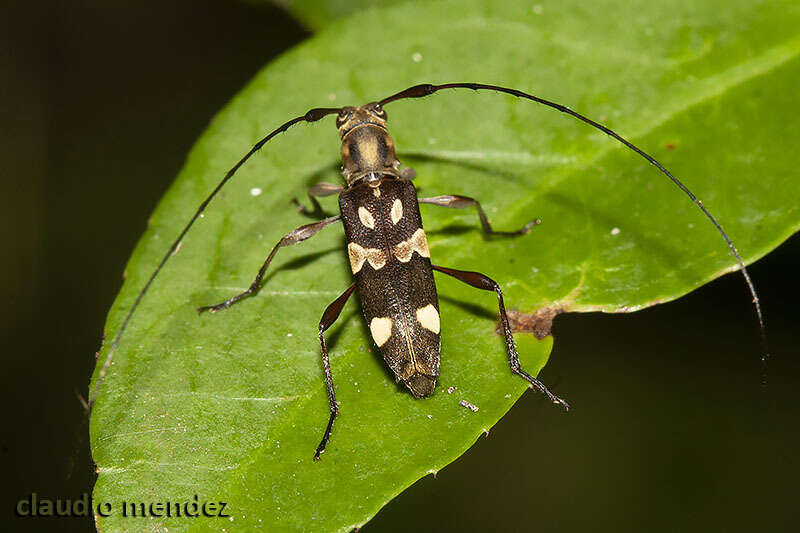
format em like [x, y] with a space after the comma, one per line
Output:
[470, 406]
[255, 191]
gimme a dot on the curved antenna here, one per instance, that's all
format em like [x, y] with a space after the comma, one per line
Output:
[425, 89]
[312, 115]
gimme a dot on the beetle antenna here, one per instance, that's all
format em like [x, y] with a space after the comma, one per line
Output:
[312, 115]
[419, 91]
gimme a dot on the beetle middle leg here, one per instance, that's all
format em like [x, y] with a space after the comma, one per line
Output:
[454, 201]
[480, 281]
[297, 235]
[328, 318]
[318, 190]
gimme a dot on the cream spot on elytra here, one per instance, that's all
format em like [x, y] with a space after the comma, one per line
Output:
[358, 254]
[397, 211]
[366, 217]
[428, 317]
[381, 329]
[416, 243]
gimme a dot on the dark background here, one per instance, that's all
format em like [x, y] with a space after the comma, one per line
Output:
[102, 100]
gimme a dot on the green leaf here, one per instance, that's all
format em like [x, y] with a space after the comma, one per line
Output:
[317, 14]
[231, 406]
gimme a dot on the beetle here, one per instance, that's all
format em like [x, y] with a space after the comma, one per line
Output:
[388, 249]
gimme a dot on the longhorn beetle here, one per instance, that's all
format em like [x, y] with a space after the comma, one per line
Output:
[388, 250]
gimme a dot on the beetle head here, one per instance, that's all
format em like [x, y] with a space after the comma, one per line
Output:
[367, 147]
[352, 117]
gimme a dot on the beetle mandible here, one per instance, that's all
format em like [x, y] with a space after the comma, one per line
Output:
[388, 250]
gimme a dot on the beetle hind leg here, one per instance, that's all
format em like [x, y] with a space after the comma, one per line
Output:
[328, 318]
[480, 281]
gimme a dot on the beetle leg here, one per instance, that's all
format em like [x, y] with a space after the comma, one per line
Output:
[297, 235]
[320, 189]
[329, 317]
[480, 281]
[460, 202]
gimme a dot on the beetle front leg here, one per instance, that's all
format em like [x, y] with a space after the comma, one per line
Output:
[329, 317]
[461, 202]
[318, 190]
[298, 235]
[480, 281]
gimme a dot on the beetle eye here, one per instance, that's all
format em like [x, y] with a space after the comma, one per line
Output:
[344, 116]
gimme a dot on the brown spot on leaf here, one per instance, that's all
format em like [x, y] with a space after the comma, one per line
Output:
[670, 146]
[540, 322]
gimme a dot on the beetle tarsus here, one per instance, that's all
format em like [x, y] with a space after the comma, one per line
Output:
[542, 388]
[530, 225]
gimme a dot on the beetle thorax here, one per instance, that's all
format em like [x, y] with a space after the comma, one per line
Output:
[367, 147]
